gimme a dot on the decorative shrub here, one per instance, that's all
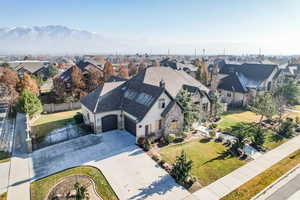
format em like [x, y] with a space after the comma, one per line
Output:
[178, 140]
[219, 139]
[141, 141]
[212, 133]
[213, 126]
[78, 118]
[297, 120]
[155, 157]
[86, 128]
[147, 145]
[170, 138]
[162, 162]
[184, 135]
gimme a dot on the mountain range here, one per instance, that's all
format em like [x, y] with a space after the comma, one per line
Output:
[53, 32]
[53, 39]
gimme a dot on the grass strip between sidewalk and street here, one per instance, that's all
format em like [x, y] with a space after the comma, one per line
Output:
[264, 179]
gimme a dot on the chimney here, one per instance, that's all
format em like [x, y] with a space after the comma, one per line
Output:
[162, 84]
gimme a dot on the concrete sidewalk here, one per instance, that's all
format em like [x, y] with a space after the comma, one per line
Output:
[232, 181]
[19, 178]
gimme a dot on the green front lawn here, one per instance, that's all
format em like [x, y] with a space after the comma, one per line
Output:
[208, 162]
[297, 107]
[272, 141]
[48, 122]
[261, 181]
[40, 188]
[232, 117]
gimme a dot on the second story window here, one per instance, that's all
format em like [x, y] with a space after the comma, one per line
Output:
[162, 103]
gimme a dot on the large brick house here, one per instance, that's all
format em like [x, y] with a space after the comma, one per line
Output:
[144, 105]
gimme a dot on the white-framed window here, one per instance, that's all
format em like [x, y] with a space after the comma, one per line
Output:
[162, 103]
[228, 94]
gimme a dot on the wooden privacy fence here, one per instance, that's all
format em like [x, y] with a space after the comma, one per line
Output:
[50, 108]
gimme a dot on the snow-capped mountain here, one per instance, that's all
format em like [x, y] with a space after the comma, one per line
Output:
[44, 32]
[53, 40]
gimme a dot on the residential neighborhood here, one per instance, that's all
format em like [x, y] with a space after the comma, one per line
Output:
[102, 115]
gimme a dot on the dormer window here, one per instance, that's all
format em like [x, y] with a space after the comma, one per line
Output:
[162, 103]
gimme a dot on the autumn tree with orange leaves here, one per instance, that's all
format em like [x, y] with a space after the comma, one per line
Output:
[108, 70]
[9, 81]
[29, 84]
[124, 72]
[95, 79]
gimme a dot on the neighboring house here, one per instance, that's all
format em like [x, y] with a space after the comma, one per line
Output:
[239, 84]
[86, 66]
[32, 67]
[292, 71]
[144, 105]
[180, 65]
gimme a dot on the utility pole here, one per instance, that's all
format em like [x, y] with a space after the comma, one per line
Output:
[195, 52]
[203, 52]
[260, 51]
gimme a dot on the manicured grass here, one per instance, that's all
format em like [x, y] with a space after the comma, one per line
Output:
[272, 141]
[261, 181]
[4, 157]
[292, 115]
[208, 162]
[48, 122]
[40, 188]
[297, 107]
[233, 117]
[3, 196]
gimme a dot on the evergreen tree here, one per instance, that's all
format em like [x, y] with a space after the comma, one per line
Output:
[51, 71]
[289, 91]
[190, 114]
[29, 103]
[264, 105]
[287, 128]
[181, 168]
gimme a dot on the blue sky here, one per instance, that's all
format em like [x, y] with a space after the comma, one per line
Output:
[239, 26]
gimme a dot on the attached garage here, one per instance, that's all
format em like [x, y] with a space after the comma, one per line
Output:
[109, 122]
[130, 125]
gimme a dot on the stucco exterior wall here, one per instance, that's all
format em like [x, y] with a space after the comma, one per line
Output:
[152, 117]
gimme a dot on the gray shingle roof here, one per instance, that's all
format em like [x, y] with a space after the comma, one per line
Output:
[137, 95]
[174, 79]
[232, 83]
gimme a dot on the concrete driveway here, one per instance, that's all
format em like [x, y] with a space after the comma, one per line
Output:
[131, 172]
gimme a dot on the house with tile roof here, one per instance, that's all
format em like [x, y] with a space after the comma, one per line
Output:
[145, 105]
[238, 84]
